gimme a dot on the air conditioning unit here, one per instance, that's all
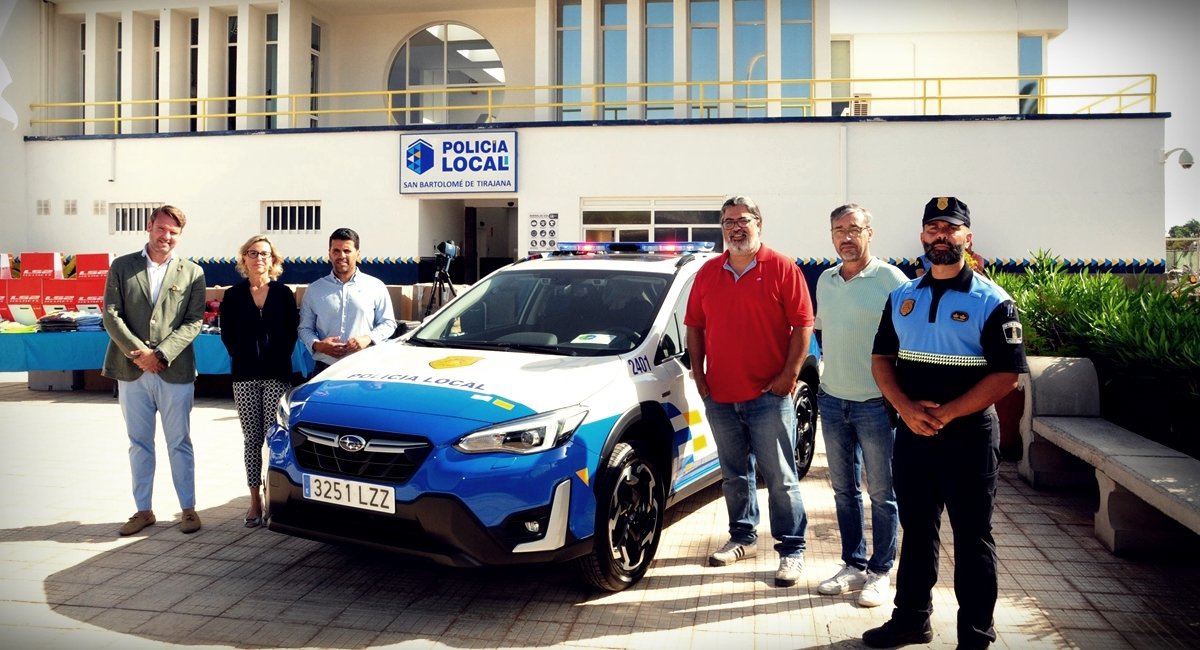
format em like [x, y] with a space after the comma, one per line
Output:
[861, 106]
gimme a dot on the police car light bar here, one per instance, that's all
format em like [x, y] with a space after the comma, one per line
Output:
[636, 247]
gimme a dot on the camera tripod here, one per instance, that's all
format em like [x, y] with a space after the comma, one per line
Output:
[441, 285]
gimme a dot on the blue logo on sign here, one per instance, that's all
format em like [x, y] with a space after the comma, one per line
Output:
[419, 157]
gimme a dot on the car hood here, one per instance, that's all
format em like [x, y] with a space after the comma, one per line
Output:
[400, 387]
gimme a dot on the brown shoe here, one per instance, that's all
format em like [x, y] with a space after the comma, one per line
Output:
[190, 522]
[137, 522]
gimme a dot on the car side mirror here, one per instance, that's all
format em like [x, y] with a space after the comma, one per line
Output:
[666, 350]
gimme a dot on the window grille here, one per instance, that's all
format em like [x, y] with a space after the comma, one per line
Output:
[131, 217]
[292, 216]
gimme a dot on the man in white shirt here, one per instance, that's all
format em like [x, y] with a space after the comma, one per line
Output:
[347, 310]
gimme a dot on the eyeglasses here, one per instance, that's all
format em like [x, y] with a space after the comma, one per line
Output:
[728, 224]
[853, 231]
[262, 254]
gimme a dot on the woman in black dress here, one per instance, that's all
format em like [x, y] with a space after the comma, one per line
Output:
[259, 318]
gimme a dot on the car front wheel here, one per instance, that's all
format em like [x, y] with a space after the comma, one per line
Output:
[629, 520]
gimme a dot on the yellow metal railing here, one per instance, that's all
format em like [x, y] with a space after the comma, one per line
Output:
[637, 101]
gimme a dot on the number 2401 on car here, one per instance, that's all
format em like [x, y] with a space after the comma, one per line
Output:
[379, 498]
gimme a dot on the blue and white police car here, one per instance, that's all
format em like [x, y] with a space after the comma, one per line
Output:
[544, 415]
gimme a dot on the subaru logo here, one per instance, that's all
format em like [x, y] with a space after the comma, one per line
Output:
[352, 442]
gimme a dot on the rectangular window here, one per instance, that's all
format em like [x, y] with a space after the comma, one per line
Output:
[43, 207]
[117, 78]
[796, 57]
[131, 217]
[570, 15]
[193, 72]
[660, 59]
[1029, 64]
[70, 207]
[658, 220]
[154, 71]
[272, 68]
[292, 216]
[703, 19]
[314, 73]
[82, 72]
[99, 208]
[613, 18]
[750, 58]
[231, 71]
[839, 68]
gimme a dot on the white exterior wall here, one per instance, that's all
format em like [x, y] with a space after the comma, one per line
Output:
[1081, 188]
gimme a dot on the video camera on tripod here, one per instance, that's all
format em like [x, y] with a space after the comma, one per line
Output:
[445, 253]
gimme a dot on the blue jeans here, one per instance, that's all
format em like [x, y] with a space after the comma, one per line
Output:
[140, 400]
[858, 434]
[760, 434]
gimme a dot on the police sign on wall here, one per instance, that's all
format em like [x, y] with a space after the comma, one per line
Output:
[443, 163]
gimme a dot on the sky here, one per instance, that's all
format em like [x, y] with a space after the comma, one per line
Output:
[1138, 37]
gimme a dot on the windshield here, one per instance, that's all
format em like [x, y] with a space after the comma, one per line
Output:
[543, 309]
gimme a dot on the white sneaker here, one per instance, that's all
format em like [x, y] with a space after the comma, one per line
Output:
[876, 591]
[789, 570]
[732, 552]
[848, 579]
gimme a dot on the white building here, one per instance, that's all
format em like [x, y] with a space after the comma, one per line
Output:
[619, 119]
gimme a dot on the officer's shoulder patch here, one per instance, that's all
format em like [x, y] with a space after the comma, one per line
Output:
[1012, 332]
[906, 307]
[959, 317]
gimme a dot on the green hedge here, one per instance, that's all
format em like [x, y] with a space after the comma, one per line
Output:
[1143, 322]
[1142, 333]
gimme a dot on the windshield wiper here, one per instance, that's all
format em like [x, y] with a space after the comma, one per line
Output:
[428, 343]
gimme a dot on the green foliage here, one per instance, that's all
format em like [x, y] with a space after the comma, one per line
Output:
[1189, 229]
[1145, 326]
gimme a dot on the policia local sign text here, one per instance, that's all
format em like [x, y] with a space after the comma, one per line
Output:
[444, 163]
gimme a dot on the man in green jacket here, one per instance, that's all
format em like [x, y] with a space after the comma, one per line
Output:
[153, 310]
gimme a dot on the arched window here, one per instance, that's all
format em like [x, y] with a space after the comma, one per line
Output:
[442, 68]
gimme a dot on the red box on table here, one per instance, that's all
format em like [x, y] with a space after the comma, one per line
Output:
[25, 300]
[92, 265]
[58, 295]
[41, 265]
[89, 295]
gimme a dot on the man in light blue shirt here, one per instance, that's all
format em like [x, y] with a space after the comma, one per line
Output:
[347, 310]
[854, 419]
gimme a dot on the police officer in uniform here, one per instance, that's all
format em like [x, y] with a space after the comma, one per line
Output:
[948, 346]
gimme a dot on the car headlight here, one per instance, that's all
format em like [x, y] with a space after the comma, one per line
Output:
[527, 435]
[283, 410]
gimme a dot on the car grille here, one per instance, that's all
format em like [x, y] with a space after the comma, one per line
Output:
[386, 457]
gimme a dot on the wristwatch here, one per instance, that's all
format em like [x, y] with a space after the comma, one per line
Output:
[161, 357]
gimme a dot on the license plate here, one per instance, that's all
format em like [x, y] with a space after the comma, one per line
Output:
[365, 496]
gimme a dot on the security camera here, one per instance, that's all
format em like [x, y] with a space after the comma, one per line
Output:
[1185, 157]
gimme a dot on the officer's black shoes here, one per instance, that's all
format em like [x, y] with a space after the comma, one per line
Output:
[895, 633]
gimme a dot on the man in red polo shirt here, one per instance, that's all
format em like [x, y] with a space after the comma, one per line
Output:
[749, 320]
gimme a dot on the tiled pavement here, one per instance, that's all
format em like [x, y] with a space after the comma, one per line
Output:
[68, 581]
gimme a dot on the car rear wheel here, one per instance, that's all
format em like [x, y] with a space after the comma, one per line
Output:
[629, 520]
[806, 427]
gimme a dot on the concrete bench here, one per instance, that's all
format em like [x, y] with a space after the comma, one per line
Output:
[1149, 493]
